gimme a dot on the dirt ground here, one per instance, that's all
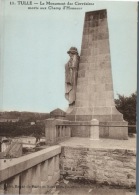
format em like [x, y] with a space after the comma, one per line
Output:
[65, 187]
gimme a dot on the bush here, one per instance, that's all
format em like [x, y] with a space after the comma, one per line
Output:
[127, 106]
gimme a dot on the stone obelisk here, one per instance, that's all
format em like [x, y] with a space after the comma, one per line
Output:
[94, 94]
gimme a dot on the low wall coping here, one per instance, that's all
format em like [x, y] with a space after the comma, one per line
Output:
[17, 165]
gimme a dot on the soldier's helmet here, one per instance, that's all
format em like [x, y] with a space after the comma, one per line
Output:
[73, 50]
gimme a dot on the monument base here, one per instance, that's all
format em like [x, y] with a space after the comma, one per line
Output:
[112, 125]
[118, 132]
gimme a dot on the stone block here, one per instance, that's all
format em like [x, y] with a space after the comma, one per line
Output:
[71, 117]
[83, 117]
[91, 30]
[86, 30]
[80, 131]
[118, 132]
[82, 66]
[91, 67]
[85, 41]
[117, 117]
[81, 96]
[103, 131]
[102, 111]
[94, 44]
[85, 44]
[100, 14]
[83, 59]
[110, 95]
[84, 111]
[108, 80]
[82, 88]
[104, 58]
[100, 88]
[94, 51]
[85, 52]
[102, 22]
[108, 87]
[115, 111]
[100, 102]
[92, 59]
[81, 74]
[102, 36]
[90, 75]
[86, 24]
[110, 102]
[102, 118]
[82, 103]
[82, 82]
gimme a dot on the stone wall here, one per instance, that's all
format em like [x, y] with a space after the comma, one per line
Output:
[34, 173]
[108, 166]
[112, 130]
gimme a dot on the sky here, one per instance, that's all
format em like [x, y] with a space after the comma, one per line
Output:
[34, 52]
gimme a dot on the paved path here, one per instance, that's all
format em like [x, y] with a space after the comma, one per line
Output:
[129, 144]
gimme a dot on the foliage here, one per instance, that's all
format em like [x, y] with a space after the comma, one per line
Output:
[127, 106]
[21, 128]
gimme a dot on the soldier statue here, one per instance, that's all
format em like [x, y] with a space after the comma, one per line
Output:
[71, 72]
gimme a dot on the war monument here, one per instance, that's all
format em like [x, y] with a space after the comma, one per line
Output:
[90, 92]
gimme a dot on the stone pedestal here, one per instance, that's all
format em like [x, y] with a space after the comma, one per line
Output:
[94, 130]
[94, 94]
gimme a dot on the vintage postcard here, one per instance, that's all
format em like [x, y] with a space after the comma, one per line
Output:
[68, 85]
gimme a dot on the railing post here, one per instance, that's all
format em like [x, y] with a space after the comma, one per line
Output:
[60, 131]
[50, 168]
[26, 178]
[36, 180]
[2, 191]
[44, 177]
[69, 131]
[94, 130]
[64, 131]
[13, 185]
[57, 171]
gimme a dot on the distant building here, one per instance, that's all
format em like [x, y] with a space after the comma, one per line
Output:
[27, 141]
[32, 123]
[13, 120]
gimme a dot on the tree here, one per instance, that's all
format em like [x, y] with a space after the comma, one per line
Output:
[127, 106]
